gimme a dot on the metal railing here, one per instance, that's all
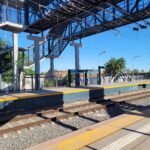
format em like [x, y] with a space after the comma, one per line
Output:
[46, 81]
[107, 80]
[12, 15]
[27, 82]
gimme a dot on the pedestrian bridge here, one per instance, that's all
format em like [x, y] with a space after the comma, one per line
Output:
[67, 20]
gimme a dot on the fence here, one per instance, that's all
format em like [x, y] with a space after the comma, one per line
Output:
[45, 82]
[92, 79]
[127, 78]
[6, 82]
[28, 82]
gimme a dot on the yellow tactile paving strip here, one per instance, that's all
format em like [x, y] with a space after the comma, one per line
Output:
[88, 137]
[34, 95]
[126, 84]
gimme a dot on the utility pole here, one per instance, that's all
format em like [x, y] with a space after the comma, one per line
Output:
[133, 66]
[99, 68]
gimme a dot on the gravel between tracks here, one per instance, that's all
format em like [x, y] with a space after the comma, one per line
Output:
[38, 134]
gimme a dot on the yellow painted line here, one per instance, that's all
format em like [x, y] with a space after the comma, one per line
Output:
[76, 91]
[125, 85]
[14, 98]
[88, 137]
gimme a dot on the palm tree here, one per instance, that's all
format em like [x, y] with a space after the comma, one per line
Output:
[114, 67]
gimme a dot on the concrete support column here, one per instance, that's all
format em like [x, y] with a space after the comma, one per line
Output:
[77, 61]
[15, 61]
[52, 67]
[77, 55]
[37, 41]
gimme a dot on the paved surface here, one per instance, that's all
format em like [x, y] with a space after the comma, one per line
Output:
[45, 98]
[118, 133]
[134, 137]
[65, 90]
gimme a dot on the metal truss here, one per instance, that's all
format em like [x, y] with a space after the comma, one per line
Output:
[69, 20]
[98, 18]
[115, 15]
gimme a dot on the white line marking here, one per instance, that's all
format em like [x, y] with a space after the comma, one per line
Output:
[124, 141]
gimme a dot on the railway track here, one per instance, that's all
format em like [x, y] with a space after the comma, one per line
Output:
[28, 121]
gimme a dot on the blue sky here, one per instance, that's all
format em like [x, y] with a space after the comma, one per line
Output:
[125, 43]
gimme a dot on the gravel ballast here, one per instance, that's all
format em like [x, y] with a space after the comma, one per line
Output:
[39, 134]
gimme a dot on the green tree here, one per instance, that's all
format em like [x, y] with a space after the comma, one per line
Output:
[6, 66]
[127, 71]
[5, 62]
[5, 57]
[115, 67]
[135, 71]
[29, 71]
[3, 44]
[8, 76]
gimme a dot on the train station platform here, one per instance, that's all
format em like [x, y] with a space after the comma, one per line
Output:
[133, 137]
[125, 132]
[60, 96]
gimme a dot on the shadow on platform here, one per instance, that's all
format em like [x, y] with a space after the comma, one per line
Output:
[10, 109]
[30, 105]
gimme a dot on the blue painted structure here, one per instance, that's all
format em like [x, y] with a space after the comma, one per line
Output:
[68, 20]
[59, 98]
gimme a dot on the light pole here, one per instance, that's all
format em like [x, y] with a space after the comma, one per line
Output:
[101, 53]
[61, 69]
[99, 67]
[148, 72]
[61, 58]
[135, 57]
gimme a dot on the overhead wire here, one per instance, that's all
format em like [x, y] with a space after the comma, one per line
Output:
[77, 18]
[74, 18]
[118, 32]
[42, 6]
[141, 26]
[94, 14]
